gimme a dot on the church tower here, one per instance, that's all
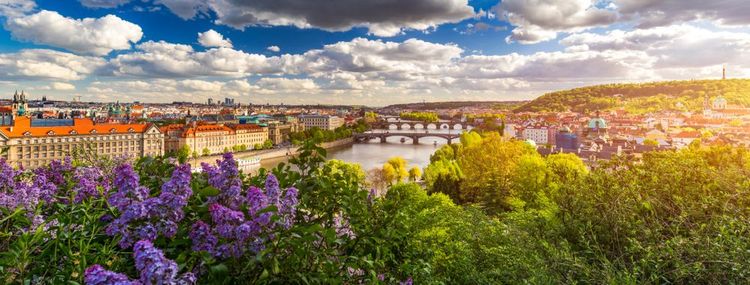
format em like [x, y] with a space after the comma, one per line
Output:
[20, 104]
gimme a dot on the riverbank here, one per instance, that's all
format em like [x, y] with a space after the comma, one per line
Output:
[272, 154]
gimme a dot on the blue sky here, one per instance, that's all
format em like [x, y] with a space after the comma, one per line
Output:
[369, 52]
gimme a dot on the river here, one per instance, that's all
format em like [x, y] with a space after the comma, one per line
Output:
[374, 154]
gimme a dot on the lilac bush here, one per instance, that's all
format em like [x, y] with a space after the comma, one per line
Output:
[230, 232]
[153, 268]
[145, 218]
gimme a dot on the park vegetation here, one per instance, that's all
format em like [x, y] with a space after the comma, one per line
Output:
[427, 117]
[642, 98]
[492, 211]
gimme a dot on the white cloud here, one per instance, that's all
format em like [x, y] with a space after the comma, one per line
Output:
[162, 59]
[47, 64]
[541, 20]
[62, 86]
[212, 38]
[90, 36]
[16, 8]
[380, 17]
[677, 46]
[653, 13]
[274, 48]
[280, 83]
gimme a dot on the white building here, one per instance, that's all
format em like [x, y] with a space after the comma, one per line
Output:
[539, 134]
[324, 122]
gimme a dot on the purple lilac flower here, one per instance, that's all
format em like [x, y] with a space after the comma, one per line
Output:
[155, 215]
[128, 188]
[97, 275]
[202, 237]
[88, 179]
[408, 281]
[226, 178]
[154, 267]
[273, 192]
[342, 227]
[256, 200]
[288, 207]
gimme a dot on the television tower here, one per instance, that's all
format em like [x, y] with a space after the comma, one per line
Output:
[724, 72]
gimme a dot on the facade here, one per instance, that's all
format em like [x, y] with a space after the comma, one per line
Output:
[324, 122]
[279, 133]
[215, 138]
[566, 139]
[33, 145]
[539, 134]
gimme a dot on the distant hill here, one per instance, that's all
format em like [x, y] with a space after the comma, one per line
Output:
[640, 98]
[500, 105]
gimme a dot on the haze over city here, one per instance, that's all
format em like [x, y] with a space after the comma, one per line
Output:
[359, 52]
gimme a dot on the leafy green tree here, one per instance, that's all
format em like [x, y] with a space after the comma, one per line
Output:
[206, 151]
[415, 173]
[183, 153]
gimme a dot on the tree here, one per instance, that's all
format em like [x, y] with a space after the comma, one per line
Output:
[268, 144]
[415, 174]
[206, 151]
[183, 153]
[650, 142]
[389, 173]
[399, 167]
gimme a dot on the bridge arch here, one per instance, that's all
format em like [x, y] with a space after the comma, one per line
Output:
[418, 126]
[431, 126]
[392, 126]
[406, 126]
[457, 126]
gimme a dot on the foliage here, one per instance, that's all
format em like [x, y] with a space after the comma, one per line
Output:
[426, 117]
[320, 135]
[640, 98]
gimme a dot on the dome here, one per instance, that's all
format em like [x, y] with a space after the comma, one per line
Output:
[597, 123]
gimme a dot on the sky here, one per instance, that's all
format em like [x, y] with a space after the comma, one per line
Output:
[369, 52]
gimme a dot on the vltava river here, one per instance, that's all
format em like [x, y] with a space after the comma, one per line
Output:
[374, 154]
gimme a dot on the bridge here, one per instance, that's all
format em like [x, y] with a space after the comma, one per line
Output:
[417, 125]
[414, 136]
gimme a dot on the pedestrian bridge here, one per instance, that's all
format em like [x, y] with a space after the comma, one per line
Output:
[414, 136]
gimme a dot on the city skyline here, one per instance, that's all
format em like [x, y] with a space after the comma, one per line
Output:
[374, 53]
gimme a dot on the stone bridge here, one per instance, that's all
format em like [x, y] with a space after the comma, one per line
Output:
[415, 125]
[415, 136]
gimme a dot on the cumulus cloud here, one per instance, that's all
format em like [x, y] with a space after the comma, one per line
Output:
[274, 48]
[16, 8]
[380, 17]
[162, 59]
[89, 36]
[540, 20]
[35, 64]
[676, 46]
[212, 38]
[103, 3]
[652, 13]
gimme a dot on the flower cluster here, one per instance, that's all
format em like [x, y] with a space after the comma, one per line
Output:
[143, 217]
[232, 231]
[226, 178]
[89, 178]
[21, 189]
[152, 265]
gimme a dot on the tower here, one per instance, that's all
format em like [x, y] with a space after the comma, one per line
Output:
[724, 72]
[20, 105]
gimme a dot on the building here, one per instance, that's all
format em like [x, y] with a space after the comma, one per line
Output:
[541, 135]
[33, 143]
[566, 139]
[324, 122]
[213, 138]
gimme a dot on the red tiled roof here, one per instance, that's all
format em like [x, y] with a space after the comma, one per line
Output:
[83, 126]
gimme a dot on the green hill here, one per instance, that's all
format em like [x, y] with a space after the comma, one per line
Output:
[640, 98]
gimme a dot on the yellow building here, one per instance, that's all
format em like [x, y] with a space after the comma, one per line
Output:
[33, 145]
[213, 138]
